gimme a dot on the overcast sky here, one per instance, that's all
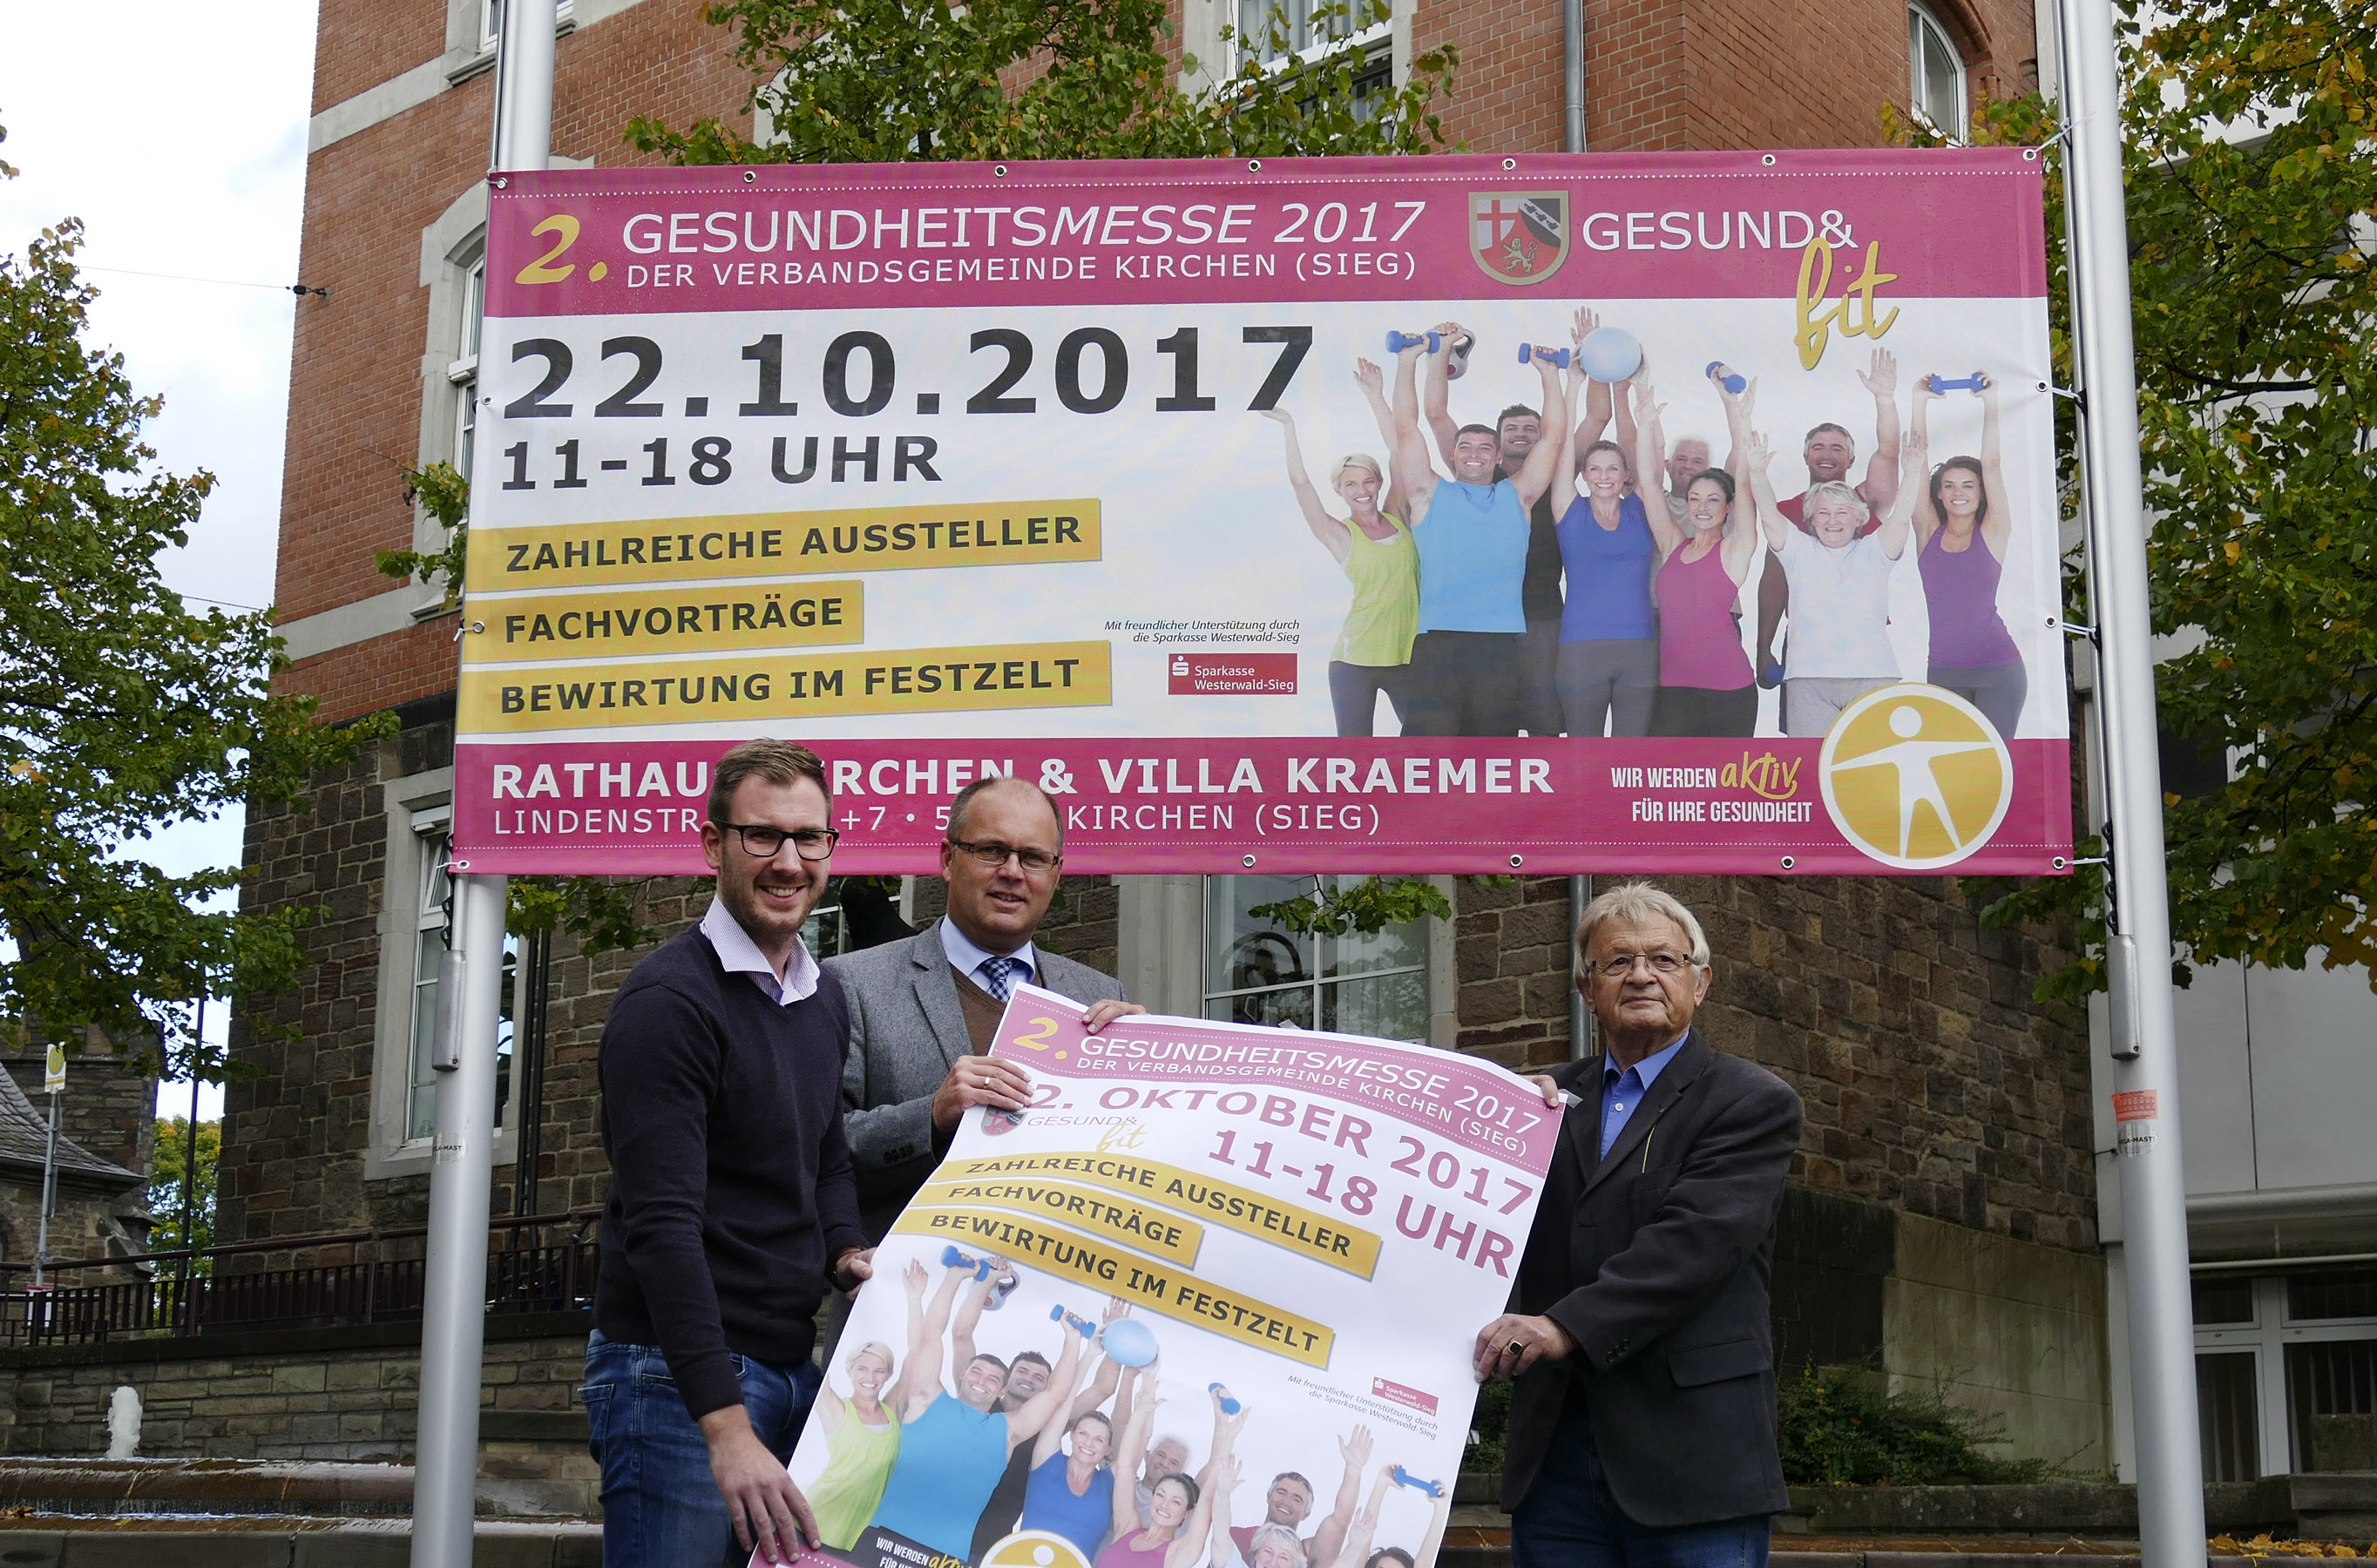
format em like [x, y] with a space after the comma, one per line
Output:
[178, 133]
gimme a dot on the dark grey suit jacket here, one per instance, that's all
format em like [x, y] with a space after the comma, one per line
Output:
[906, 1031]
[1656, 1261]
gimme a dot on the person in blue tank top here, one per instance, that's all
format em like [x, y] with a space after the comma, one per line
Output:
[1472, 531]
[1610, 544]
[954, 1438]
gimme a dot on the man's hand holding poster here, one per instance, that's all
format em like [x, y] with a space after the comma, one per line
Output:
[1209, 1298]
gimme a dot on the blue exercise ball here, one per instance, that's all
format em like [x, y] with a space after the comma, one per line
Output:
[1610, 354]
[1130, 1342]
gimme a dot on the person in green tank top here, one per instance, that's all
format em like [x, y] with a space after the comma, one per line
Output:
[862, 1444]
[1375, 548]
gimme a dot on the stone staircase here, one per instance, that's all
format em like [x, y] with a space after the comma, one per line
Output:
[267, 1514]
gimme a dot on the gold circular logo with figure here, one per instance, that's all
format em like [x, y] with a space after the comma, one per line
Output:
[1915, 777]
[1035, 1549]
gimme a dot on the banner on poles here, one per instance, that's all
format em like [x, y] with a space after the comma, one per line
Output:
[1106, 475]
[1240, 1257]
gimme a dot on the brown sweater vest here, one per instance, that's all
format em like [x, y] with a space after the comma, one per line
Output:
[982, 1011]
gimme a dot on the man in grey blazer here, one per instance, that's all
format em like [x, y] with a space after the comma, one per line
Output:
[1642, 1422]
[921, 1010]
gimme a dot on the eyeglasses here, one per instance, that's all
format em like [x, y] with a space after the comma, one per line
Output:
[763, 843]
[995, 854]
[1619, 965]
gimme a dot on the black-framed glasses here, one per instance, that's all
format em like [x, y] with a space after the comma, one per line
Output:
[993, 854]
[764, 843]
[1619, 965]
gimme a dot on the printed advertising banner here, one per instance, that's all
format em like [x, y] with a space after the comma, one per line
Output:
[1687, 512]
[1209, 1298]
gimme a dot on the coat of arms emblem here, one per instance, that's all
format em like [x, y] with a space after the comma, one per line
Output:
[1518, 236]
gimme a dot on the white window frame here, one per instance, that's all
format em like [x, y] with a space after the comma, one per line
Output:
[471, 31]
[1318, 982]
[462, 373]
[410, 804]
[2266, 1338]
[1161, 937]
[453, 269]
[432, 838]
[1920, 20]
[1368, 40]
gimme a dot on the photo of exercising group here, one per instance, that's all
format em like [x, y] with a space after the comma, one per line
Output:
[1549, 574]
[1007, 1412]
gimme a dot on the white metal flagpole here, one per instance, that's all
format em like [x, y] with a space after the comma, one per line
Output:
[2144, 1047]
[453, 1323]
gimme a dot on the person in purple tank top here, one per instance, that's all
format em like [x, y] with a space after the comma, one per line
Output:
[1963, 527]
[1186, 1523]
[1706, 687]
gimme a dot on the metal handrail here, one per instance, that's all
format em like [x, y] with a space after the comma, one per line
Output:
[295, 1243]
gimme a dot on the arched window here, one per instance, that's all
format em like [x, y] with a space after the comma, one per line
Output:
[1936, 73]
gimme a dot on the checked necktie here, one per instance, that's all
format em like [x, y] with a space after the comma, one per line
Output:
[999, 977]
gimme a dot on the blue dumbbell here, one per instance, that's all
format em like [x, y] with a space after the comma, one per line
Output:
[1553, 356]
[1968, 383]
[1731, 381]
[1398, 341]
[1404, 1478]
[952, 1258]
[1229, 1406]
[1081, 1326]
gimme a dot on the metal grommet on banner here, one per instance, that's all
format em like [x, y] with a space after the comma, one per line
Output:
[2060, 862]
[1254, 165]
[1768, 161]
[750, 175]
[998, 170]
[1788, 861]
[1510, 164]
[2030, 155]
[458, 864]
[1518, 861]
[500, 182]
[1250, 863]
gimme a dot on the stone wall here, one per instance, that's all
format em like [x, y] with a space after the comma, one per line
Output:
[2011, 1330]
[321, 1393]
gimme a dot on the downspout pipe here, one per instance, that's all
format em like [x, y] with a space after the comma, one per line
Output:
[1580, 1022]
[1572, 66]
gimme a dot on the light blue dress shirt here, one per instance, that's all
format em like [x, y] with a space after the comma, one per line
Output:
[967, 957]
[1622, 1092]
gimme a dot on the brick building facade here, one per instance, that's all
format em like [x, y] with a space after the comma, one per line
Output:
[1943, 1216]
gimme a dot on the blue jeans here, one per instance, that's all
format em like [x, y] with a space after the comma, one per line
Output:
[660, 1507]
[1571, 1521]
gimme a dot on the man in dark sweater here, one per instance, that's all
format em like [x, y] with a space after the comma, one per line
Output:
[733, 1206]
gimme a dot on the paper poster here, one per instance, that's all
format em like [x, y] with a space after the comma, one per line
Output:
[1208, 1299]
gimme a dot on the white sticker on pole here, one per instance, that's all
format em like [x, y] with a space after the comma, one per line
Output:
[2134, 1111]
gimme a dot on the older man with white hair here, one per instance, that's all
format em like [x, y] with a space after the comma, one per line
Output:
[1643, 1423]
[1839, 573]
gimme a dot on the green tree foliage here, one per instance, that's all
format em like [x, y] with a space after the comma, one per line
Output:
[165, 1169]
[2251, 134]
[120, 709]
[1369, 906]
[892, 81]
